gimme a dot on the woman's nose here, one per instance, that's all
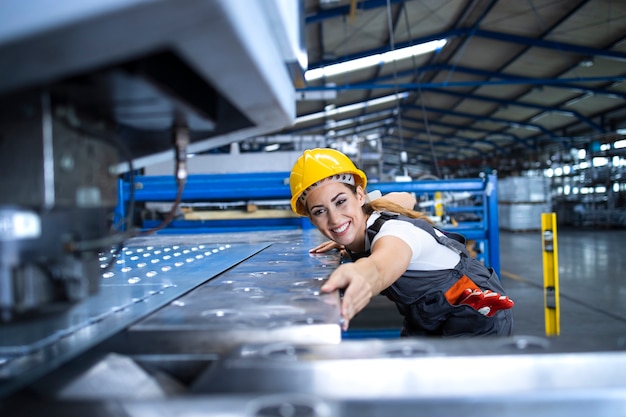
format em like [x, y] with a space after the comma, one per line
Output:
[332, 214]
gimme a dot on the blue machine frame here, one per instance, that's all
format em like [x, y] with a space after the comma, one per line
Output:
[275, 186]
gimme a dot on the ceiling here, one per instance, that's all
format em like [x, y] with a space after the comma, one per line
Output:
[516, 79]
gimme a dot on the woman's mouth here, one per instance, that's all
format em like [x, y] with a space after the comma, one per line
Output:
[339, 230]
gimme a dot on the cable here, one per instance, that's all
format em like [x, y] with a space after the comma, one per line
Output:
[395, 78]
[421, 99]
[181, 142]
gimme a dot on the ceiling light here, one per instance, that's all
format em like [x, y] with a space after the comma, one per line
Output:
[586, 63]
[373, 60]
[351, 107]
[271, 148]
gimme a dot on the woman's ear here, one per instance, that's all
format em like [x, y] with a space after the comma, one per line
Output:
[360, 195]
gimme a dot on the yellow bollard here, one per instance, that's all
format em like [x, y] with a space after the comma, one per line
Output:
[550, 273]
[438, 204]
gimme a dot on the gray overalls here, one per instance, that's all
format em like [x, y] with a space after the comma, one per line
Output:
[421, 295]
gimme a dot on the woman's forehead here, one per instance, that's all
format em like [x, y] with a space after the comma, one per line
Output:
[327, 191]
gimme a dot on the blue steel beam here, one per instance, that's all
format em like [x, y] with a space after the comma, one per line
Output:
[341, 11]
[431, 186]
[498, 75]
[216, 187]
[476, 83]
[426, 144]
[455, 137]
[511, 136]
[546, 44]
[464, 32]
[509, 123]
[503, 75]
[385, 114]
[436, 87]
[503, 102]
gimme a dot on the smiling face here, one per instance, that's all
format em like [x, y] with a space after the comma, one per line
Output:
[336, 211]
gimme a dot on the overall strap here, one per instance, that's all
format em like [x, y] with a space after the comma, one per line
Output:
[449, 240]
[372, 231]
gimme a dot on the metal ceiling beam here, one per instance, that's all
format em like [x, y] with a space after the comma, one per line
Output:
[341, 11]
[457, 137]
[504, 102]
[503, 75]
[542, 43]
[385, 114]
[506, 122]
[415, 86]
[511, 136]
[426, 145]
[462, 32]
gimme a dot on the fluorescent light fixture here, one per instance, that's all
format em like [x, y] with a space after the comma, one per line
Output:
[620, 144]
[600, 161]
[351, 107]
[373, 60]
[271, 148]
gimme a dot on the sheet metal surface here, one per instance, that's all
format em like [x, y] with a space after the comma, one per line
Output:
[607, 403]
[144, 278]
[272, 297]
[415, 368]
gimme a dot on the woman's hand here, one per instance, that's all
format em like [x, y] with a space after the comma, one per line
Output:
[327, 247]
[367, 277]
[359, 288]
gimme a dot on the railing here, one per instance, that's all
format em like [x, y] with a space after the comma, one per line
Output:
[478, 204]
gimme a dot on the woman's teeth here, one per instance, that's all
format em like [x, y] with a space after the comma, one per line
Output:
[341, 229]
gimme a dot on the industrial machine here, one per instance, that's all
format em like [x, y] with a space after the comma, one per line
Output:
[99, 318]
[92, 90]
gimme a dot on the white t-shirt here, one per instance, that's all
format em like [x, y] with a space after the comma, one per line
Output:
[428, 254]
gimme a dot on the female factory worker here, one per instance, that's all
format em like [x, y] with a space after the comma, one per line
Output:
[438, 288]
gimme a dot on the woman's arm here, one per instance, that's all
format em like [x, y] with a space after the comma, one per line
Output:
[367, 277]
[402, 198]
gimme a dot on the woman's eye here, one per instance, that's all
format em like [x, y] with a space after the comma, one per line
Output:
[341, 202]
[318, 212]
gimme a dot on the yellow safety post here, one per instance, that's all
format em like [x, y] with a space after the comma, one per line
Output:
[438, 204]
[550, 273]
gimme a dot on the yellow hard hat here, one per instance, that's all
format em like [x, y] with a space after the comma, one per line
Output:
[315, 165]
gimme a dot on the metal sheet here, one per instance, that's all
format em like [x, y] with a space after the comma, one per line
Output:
[549, 404]
[143, 279]
[274, 298]
[415, 368]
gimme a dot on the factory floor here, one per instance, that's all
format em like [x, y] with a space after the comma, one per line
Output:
[592, 282]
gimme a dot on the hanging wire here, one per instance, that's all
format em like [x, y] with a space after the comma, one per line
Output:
[395, 83]
[420, 97]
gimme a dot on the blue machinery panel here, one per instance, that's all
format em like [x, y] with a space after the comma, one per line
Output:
[229, 188]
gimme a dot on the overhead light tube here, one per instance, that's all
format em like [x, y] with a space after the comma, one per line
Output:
[351, 107]
[373, 60]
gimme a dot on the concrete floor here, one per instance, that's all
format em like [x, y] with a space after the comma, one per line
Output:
[592, 264]
[592, 281]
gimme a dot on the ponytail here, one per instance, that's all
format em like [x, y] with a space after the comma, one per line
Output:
[381, 204]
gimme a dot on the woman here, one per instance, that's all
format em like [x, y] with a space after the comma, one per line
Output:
[438, 288]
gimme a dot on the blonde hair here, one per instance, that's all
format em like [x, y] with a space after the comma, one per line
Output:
[381, 204]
